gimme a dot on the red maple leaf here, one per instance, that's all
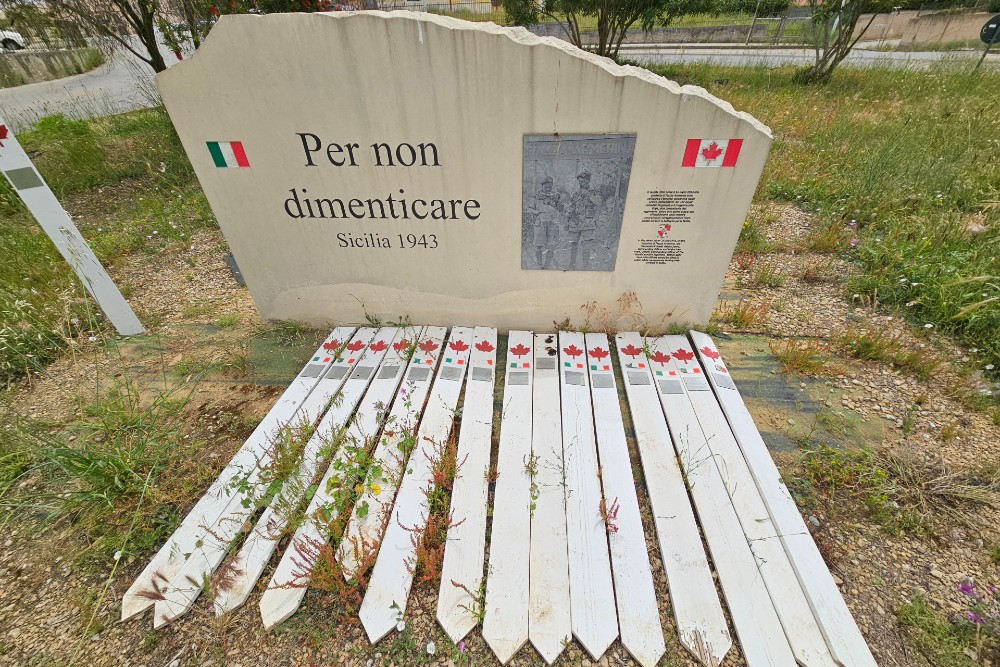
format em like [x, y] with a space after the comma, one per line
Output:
[683, 355]
[710, 353]
[573, 351]
[428, 346]
[519, 350]
[484, 346]
[631, 350]
[332, 345]
[599, 353]
[355, 345]
[378, 346]
[3, 133]
[660, 357]
[401, 346]
[712, 152]
[458, 346]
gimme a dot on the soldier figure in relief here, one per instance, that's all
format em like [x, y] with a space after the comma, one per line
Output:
[581, 226]
[547, 211]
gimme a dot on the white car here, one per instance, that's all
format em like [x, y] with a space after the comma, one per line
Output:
[12, 41]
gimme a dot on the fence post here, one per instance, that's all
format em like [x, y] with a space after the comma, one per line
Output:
[756, 12]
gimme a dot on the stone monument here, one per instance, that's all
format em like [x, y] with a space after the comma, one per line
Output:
[393, 163]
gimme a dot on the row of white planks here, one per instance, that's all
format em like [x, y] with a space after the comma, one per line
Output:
[567, 548]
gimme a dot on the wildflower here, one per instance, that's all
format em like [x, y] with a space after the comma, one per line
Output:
[400, 625]
[974, 617]
[989, 367]
[461, 646]
[117, 556]
[431, 648]
[359, 489]
[854, 243]
[376, 489]
[928, 326]
[967, 588]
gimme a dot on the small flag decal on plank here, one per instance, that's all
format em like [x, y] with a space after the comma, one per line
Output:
[712, 152]
[228, 154]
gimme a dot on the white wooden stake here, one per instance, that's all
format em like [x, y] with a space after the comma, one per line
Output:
[247, 566]
[465, 551]
[188, 583]
[505, 625]
[42, 202]
[701, 624]
[638, 615]
[796, 617]
[550, 624]
[298, 401]
[592, 594]
[392, 577]
[835, 620]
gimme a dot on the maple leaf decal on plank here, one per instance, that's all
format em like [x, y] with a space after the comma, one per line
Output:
[355, 345]
[3, 134]
[573, 351]
[712, 152]
[683, 355]
[458, 346]
[519, 350]
[710, 353]
[659, 357]
[332, 345]
[378, 346]
[484, 346]
[598, 353]
[428, 346]
[631, 350]
[401, 346]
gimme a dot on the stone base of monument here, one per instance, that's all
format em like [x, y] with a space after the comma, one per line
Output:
[567, 550]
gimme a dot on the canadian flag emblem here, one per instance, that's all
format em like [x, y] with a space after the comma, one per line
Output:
[712, 152]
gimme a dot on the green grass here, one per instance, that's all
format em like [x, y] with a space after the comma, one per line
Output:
[903, 162]
[938, 641]
[102, 473]
[42, 305]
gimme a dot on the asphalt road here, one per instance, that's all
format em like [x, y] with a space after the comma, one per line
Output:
[778, 57]
[125, 83]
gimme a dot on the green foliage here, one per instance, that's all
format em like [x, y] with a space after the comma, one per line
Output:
[898, 155]
[102, 471]
[613, 19]
[43, 308]
[941, 643]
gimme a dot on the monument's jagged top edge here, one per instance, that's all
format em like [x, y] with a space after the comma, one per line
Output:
[516, 34]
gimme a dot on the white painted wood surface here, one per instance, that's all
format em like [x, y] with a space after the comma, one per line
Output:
[801, 629]
[171, 556]
[550, 624]
[53, 219]
[758, 628]
[838, 626]
[465, 550]
[592, 597]
[505, 625]
[638, 615]
[391, 579]
[188, 583]
[701, 624]
[288, 584]
[248, 564]
[362, 535]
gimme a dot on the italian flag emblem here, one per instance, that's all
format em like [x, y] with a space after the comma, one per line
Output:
[712, 152]
[228, 154]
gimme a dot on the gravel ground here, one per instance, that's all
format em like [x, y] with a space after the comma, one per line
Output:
[46, 598]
